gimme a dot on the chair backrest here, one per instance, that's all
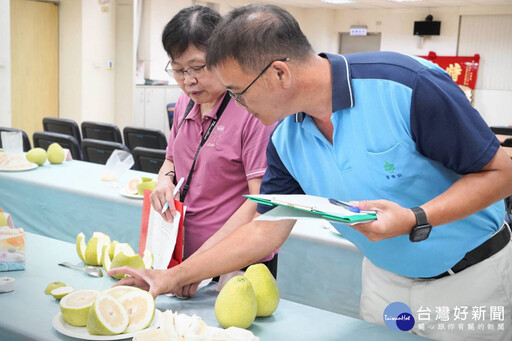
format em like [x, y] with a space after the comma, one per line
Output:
[43, 139]
[26, 141]
[148, 159]
[502, 130]
[63, 126]
[98, 151]
[170, 113]
[507, 142]
[142, 137]
[101, 131]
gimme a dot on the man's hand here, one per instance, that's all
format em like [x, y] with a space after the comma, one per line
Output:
[155, 281]
[392, 219]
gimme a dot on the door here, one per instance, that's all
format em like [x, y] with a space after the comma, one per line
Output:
[34, 63]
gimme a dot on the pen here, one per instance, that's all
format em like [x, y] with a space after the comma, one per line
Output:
[176, 190]
[347, 206]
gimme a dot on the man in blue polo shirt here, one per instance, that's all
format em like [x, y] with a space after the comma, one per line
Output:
[392, 133]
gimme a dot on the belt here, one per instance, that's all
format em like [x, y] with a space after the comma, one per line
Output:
[485, 250]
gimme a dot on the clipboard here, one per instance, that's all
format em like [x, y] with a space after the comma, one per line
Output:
[177, 253]
[319, 206]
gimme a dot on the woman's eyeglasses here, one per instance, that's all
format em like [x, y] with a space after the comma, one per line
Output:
[179, 75]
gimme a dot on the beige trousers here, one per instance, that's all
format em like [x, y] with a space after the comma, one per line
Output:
[474, 304]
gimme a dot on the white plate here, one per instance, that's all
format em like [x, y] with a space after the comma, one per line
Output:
[124, 192]
[81, 332]
[28, 166]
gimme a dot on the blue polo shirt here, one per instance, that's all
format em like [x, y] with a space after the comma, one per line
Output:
[404, 132]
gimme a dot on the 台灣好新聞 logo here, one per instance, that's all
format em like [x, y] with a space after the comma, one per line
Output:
[398, 316]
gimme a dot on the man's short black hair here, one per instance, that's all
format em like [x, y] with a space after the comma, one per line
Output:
[191, 26]
[254, 35]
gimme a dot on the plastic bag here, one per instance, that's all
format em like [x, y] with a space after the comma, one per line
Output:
[118, 163]
[12, 142]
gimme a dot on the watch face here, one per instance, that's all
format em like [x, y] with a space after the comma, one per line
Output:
[420, 233]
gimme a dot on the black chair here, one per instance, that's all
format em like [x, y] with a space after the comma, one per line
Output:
[141, 137]
[148, 159]
[26, 141]
[502, 130]
[98, 151]
[507, 142]
[43, 139]
[101, 131]
[62, 126]
[170, 113]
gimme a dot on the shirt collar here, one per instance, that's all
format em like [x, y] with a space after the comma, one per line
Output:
[342, 95]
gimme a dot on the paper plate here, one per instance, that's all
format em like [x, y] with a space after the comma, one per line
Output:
[81, 332]
[124, 192]
[26, 167]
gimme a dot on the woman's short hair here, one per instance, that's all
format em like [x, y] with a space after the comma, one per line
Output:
[254, 35]
[190, 26]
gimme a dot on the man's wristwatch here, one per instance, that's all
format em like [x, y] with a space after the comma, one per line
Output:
[422, 229]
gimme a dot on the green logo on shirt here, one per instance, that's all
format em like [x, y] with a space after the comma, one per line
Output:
[389, 167]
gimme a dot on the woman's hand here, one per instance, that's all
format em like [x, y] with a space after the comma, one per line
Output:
[162, 194]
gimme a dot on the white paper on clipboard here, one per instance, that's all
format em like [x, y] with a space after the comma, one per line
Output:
[161, 238]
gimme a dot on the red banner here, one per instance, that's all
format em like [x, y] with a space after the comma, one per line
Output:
[463, 70]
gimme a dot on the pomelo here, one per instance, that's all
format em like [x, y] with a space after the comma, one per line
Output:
[107, 316]
[140, 306]
[75, 306]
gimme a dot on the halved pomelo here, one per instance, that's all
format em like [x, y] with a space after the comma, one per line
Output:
[119, 290]
[75, 306]
[140, 306]
[107, 316]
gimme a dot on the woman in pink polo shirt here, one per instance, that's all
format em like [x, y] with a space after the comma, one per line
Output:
[232, 160]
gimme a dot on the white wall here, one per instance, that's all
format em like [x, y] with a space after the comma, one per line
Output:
[124, 65]
[5, 64]
[98, 48]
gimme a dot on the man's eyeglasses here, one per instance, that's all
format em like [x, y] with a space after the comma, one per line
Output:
[238, 96]
[179, 75]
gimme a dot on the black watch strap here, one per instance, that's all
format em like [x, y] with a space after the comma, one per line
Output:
[422, 229]
[421, 216]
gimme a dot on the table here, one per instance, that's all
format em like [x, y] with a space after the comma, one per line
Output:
[315, 260]
[30, 311]
[63, 200]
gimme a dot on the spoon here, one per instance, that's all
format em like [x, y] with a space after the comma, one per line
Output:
[90, 270]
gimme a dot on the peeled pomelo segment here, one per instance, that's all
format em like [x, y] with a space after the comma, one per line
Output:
[132, 185]
[107, 316]
[119, 290]
[80, 246]
[75, 306]
[140, 306]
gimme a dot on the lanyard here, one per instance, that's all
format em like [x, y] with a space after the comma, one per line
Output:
[223, 105]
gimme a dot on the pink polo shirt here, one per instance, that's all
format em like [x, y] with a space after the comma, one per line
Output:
[233, 154]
